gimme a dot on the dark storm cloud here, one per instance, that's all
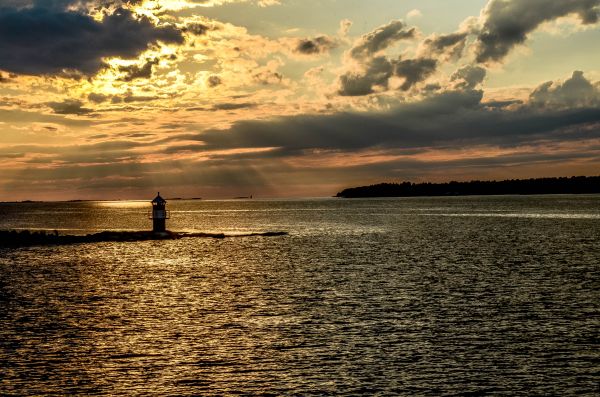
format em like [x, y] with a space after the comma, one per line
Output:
[317, 45]
[80, 5]
[49, 41]
[508, 22]
[57, 4]
[381, 38]
[450, 119]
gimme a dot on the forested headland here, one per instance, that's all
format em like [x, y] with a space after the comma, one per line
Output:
[564, 185]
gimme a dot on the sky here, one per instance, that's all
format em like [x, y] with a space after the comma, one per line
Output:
[118, 99]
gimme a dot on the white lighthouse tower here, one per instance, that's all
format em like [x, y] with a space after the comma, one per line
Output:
[159, 215]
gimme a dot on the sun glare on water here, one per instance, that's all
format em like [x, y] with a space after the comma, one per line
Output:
[124, 204]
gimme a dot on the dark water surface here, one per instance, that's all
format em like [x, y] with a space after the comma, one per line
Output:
[424, 296]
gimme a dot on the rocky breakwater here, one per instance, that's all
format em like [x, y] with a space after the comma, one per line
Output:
[26, 238]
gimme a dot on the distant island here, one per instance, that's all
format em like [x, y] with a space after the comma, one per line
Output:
[564, 185]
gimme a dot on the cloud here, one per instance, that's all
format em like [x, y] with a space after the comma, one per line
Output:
[576, 91]
[414, 71]
[381, 38]
[48, 41]
[144, 71]
[268, 3]
[371, 70]
[266, 77]
[197, 28]
[507, 23]
[69, 106]
[468, 77]
[160, 6]
[452, 119]
[450, 45]
[374, 77]
[316, 45]
[377, 73]
[200, 26]
[414, 14]
[214, 81]
[97, 98]
[176, 6]
[77, 5]
[343, 131]
[22, 117]
[345, 25]
[268, 74]
[503, 104]
[129, 97]
[233, 106]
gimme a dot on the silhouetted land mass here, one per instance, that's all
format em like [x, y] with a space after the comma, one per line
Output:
[572, 185]
[26, 238]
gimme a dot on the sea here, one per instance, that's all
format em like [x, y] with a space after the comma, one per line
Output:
[444, 296]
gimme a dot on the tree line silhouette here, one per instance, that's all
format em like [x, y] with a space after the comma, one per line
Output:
[563, 185]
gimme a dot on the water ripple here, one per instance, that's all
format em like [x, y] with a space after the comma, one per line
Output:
[403, 305]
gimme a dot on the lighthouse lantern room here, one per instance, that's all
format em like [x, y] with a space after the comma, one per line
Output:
[159, 214]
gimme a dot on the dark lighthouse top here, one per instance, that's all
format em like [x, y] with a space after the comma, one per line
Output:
[159, 200]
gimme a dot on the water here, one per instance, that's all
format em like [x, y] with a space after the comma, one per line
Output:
[424, 296]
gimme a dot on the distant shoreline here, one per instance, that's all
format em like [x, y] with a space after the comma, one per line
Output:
[541, 186]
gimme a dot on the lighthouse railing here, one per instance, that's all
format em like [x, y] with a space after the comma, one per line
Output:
[167, 214]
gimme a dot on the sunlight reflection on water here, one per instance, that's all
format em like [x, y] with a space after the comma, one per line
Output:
[125, 204]
[351, 302]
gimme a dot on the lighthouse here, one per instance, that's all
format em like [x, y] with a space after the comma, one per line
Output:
[159, 214]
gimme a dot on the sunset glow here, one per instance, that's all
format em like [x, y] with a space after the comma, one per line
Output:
[219, 98]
